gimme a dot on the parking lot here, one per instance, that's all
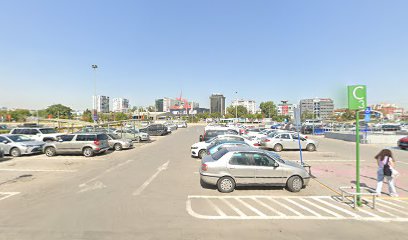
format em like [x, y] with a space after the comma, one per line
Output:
[132, 193]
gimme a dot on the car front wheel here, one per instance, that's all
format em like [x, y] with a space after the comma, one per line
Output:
[15, 152]
[311, 147]
[202, 153]
[118, 147]
[226, 184]
[294, 184]
[278, 148]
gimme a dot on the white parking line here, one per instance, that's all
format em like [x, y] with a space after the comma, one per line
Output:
[8, 194]
[35, 170]
[148, 181]
[283, 208]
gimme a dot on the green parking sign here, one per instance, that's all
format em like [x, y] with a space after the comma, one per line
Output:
[357, 97]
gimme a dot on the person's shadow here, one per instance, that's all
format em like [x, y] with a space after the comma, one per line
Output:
[373, 189]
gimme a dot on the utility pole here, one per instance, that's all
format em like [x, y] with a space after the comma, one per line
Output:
[236, 106]
[94, 103]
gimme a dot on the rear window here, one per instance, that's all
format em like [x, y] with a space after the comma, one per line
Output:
[102, 137]
[47, 130]
[217, 155]
[85, 138]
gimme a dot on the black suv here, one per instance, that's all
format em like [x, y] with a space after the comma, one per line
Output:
[155, 130]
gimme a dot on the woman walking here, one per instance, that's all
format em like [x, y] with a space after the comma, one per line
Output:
[386, 164]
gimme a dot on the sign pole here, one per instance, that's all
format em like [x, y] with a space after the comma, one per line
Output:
[358, 190]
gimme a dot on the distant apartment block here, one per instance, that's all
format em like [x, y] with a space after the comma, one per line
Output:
[286, 109]
[390, 111]
[321, 108]
[120, 105]
[250, 105]
[217, 103]
[101, 103]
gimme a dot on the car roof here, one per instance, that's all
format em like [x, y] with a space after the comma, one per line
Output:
[250, 149]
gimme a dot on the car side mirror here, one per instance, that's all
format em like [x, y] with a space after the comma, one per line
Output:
[201, 138]
[275, 164]
[5, 142]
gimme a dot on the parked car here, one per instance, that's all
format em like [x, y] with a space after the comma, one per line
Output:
[213, 133]
[287, 141]
[240, 166]
[117, 143]
[403, 143]
[217, 145]
[182, 124]
[199, 149]
[155, 130]
[390, 127]
[37, 133]
[17, 145]
[3, 127]
[133, 134]
[87, 144]
[171, 127]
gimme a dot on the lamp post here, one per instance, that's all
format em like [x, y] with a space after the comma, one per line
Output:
[94, 107]
[236, 106]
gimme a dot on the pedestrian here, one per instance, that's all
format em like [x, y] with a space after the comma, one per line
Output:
[386, 164]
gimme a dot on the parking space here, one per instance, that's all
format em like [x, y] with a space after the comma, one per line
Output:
[292, 208]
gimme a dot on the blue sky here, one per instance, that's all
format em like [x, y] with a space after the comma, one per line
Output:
[265, 50]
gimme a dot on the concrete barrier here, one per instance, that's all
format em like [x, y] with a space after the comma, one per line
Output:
[369, 138]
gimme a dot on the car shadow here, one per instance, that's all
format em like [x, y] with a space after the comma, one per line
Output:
[5, 159]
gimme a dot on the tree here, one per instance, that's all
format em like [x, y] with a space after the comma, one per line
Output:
[59, 110]
[87, 116]
[348, 115]
[216, 115]
[20, 115]
[241, 111]
[306, 115]
[268, 109]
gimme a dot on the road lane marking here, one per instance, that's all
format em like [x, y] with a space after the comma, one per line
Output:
[36, 170]
[105, 172]
[250, 207]
[148, 181]
[328, 209]
[217, 209]
[240, 213]
[8, 194]
[95, 185]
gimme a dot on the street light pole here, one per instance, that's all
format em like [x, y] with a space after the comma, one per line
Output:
[236, 106]
[94, 107]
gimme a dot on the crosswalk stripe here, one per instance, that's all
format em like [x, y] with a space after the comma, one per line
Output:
[268, 207]
[390, 203]
[394, 209]
[251, 207]
[337, 208]
[240, 213]
[288, 208]
[217, 209]
[371, 214]
[321, 208]
[304, 208]
[387, 213]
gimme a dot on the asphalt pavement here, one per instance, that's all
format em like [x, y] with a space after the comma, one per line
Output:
[153, 192]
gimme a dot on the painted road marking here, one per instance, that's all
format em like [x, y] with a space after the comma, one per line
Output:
[4, 195]
[292, 207]
[36, 170]
[148, 181]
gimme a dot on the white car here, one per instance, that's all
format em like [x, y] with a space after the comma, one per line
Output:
[288, 140]
[37, 133]
[199, 149]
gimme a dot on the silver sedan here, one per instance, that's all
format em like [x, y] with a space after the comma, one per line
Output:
[287, 141]
[17, 145]
[230, 167]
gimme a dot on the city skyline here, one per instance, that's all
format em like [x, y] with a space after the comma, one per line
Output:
[264, 51]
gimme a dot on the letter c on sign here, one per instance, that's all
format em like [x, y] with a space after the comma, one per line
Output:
[355, 93]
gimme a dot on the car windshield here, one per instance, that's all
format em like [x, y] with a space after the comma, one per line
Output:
[19, 138]
[114, 136]
[47, 130]
[217, 155]
[210, 140]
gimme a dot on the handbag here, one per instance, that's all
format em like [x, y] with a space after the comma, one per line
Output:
[387, 169]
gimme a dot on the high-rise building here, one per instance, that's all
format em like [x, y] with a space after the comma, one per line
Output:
[217, 103]
[120, 105]
[159, 105]
[321, 108]
[101, 103]
[250, 105]
[286, 109]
